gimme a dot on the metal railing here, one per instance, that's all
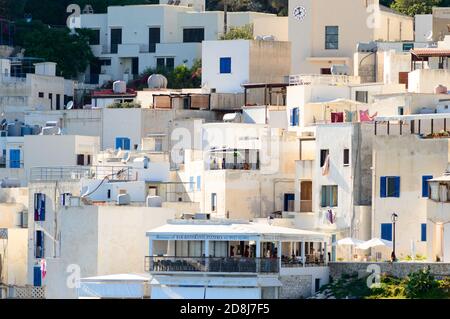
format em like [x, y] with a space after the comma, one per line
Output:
[70, 173]
[310, 261]
[211, 264]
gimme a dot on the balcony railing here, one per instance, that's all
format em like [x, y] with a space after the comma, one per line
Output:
[211, 264]
[67, 173]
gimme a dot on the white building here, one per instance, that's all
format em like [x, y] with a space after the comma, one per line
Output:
[42, 90]
[126, 47]
[408, 151]
[226, 65]
[437, 227]
[331, 30]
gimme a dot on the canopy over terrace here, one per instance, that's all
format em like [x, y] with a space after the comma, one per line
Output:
[424, 54]
[425, 125]
[215, 243]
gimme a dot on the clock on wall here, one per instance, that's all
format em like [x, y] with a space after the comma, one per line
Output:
[299, 13]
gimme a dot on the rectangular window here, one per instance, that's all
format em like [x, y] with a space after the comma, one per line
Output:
[39, 207]
[323, 156]
[41, 94]
[80, 159]
[94, 37]
[58, 101]
[425, 188]
[154, 37]
[170, 63]
[199, 184]
[116, 39]
[289, 202]
[400, 110]
[225, 65]
[39, 251]
[423, 232]
[123, 143]
[191, 183]
[346, 157]
[386, 231]
[158, 144]
[329, 196]
[389, 186]
[105, 62]
[213, 202]
[331, 37]
[194, 35]
[160, 63]
[362, 96]
[294, 116]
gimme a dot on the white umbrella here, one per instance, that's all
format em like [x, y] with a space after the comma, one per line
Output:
[375, 242]
[349, 241]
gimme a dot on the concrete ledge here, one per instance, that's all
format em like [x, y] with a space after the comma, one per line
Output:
[397, 269]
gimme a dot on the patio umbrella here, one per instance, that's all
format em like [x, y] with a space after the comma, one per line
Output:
[375, 242]
[348, 242]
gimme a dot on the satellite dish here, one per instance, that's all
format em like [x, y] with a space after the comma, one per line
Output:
[69, 105]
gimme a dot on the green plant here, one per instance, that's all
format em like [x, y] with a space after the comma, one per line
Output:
[420, 283]
[235, 33]
[125, 105]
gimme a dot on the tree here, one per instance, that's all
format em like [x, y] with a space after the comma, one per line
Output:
[413, 7]
[245, 32]
[178, 78]
[71, 52]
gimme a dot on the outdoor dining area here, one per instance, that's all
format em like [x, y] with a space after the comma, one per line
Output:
[233, 247]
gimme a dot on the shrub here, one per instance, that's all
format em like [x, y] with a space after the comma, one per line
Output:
[420, 284]
[125, 105]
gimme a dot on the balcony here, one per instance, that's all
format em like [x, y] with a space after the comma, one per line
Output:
[212, 264]
[68, 173]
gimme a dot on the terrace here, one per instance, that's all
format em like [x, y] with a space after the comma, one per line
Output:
[226, 246]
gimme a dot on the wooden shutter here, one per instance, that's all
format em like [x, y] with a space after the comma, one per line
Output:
[383, 186]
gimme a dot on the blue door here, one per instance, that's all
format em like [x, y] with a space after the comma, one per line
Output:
[37, 276]
[289, 200]
[14, 158]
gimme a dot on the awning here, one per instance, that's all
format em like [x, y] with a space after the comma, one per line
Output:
[430, 52]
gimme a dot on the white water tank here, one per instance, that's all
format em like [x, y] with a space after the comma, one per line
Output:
[157, 81]
[123, 199]
[119, 87]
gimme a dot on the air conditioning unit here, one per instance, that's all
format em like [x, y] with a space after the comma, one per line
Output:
[123, 199]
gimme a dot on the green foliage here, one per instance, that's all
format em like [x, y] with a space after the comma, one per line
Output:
[245, 32]
[413, 7]
[125, 105]
[71, 52]
[420, 284]
[178, 78]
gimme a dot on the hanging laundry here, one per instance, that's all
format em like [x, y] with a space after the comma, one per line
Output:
[349, 116]
[43, 268]
[331, 216]
[326, 166]
[365, 117]
[337, 117]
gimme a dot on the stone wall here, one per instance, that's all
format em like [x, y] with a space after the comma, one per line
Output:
[295, 287]
[398, 269]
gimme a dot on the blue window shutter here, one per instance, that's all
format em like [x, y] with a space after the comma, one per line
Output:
[397, 186]
[199, 184]
[118, 142]
[42, 208]
[37, 276]
[425, 185]
[386, 232]
[126, 144]
[383, 186]
[295, 115]
[191, 183]
[14, 158]
[225, 65]
[423, 233]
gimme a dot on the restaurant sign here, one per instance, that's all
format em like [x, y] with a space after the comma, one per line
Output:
[216, 237]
